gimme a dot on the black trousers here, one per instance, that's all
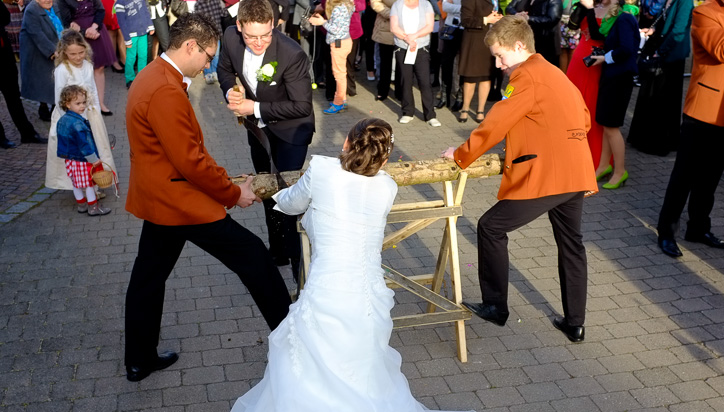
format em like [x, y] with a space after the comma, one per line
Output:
[564, 212]
[284, 240]
[158, 250]
[383, 85]
[421, 71]
[450, 50]
[696, 174]
[11, 91]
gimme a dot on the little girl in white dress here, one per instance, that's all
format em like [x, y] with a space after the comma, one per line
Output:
[74, 67]
[332, 353]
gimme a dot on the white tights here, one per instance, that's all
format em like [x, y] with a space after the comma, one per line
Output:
[90, 194]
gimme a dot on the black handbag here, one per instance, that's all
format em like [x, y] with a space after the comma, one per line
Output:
[447, 33]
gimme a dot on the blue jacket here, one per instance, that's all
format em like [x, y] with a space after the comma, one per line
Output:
[75, 139]
[623, 43]
[134, 18]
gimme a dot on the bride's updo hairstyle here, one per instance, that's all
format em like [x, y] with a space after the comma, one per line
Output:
[370, 144]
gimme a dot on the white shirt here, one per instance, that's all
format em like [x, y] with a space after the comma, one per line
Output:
[186, 80]
[252, 64]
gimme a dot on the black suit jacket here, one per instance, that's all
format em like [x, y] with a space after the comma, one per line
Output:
[286, 101]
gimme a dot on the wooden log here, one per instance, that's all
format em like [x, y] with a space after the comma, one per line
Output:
[404, 173]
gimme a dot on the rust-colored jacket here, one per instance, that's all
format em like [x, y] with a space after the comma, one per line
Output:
[705, 98]
[174, 181]
[544, 120]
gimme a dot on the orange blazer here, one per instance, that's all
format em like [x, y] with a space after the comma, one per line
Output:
[544, 122]
[705, 98]
[174, 181]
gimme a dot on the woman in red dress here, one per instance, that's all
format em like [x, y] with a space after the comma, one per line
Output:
[587, 15]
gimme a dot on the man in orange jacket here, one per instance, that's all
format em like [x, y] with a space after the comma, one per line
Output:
[699, 164]
[548, 168]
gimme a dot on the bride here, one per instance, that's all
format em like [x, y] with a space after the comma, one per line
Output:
[332, 353]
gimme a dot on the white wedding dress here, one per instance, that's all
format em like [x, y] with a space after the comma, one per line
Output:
[332, 353]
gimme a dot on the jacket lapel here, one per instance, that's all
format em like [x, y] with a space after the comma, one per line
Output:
[269, 56]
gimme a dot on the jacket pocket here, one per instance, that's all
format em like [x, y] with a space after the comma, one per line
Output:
[524, 158]
[708, 87]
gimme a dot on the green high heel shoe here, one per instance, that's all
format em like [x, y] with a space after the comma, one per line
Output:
[620, 183]
[608, 170]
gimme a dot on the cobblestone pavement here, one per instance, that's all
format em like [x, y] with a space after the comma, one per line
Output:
[654, 330]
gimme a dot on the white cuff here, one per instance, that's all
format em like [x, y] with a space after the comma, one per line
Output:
[257, 110]
[609, 57]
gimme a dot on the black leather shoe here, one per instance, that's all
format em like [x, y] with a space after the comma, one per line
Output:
[670, 248]
[488, 312]
[35, 138]
[456, 106]
[708, 239]
[7, 144]
[573, 333]
[137, 373]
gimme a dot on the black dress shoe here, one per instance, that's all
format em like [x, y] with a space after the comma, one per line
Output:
[488, 312]
[440, 104]
[573, 333]
[708, 239]
[108, 113]
[380, 98]
[35, 138]
[7, 144]
[137, 373]
[670, 248]
[121, 70]
[456, 106]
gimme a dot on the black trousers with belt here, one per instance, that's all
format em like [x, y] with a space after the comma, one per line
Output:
[158, 250]
[564, 212]
[284, 240]
[696, 174]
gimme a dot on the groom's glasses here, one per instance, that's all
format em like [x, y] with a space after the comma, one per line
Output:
[209, 57]
[259, 39]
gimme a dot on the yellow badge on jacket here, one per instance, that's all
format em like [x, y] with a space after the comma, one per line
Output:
[508, 91]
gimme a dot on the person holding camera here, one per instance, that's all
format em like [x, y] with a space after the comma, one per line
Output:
[587, 16]
[621, 30]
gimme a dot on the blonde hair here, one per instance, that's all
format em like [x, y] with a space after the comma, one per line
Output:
[331, 4]
[70, 37]
[509, 30]
[370, 144]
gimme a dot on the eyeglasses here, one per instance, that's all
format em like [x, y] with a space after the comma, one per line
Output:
[209, 57]
[259, 39]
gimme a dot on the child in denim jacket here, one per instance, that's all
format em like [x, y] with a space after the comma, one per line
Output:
[77, 147]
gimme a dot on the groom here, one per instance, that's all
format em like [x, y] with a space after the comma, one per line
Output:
[277, 104]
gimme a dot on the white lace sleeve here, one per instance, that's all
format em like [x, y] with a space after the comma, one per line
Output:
[295, 200]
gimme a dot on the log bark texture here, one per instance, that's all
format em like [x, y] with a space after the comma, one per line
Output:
[404, 173]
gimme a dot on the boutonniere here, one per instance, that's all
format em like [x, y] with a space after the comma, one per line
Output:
[266, 72]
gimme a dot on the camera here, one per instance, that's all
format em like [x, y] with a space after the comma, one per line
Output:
[589, 60]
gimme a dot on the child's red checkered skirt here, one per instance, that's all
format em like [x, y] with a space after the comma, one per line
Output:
[79, 173]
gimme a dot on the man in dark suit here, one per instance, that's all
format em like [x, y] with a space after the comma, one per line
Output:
[182, 195]
[277, 102]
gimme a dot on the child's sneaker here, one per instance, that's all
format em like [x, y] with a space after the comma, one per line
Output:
[83, 207]
[97, 210]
